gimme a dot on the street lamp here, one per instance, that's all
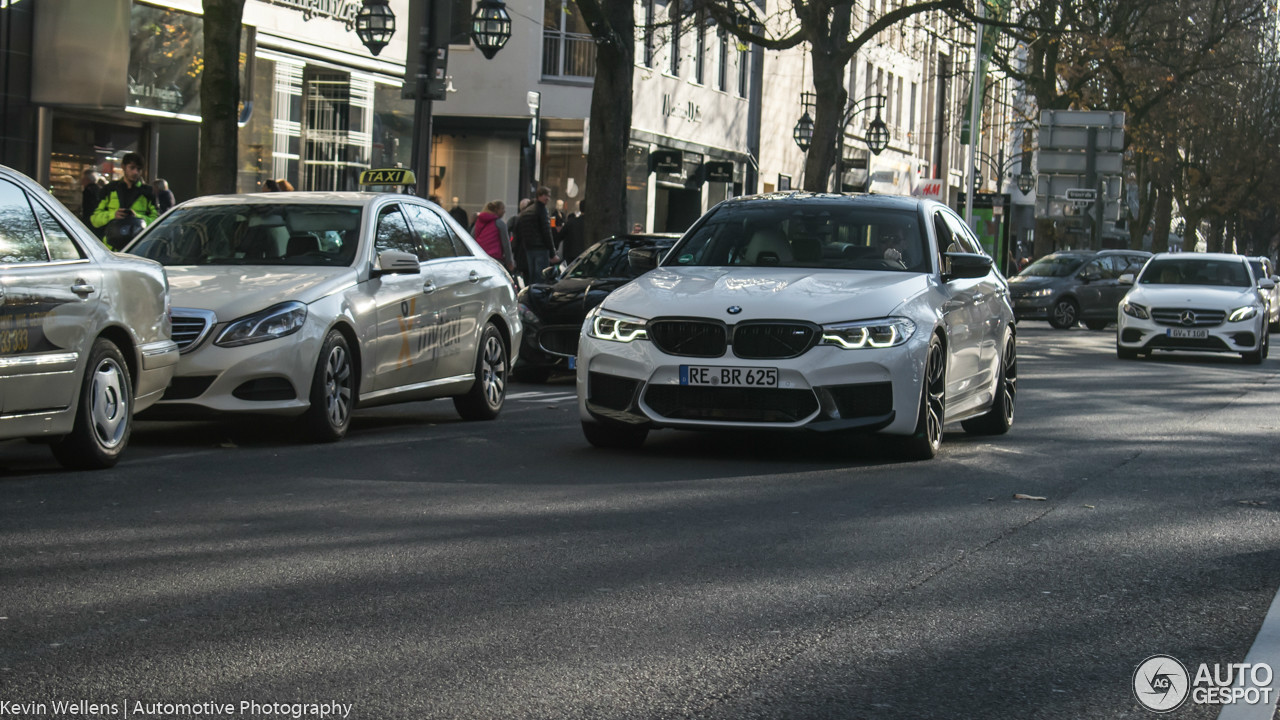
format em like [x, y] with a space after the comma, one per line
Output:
[1026, 181]
[375, 24]
[803, 132]
[877, 136]
[490, 27]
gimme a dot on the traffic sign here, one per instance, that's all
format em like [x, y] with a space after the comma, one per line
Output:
[1080, 202]
[1076, 162]
[1088, 194]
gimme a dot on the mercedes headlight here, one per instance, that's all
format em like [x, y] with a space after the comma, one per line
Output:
[879, 333]
[607, 325]
[274, 322]
[1242, 313]
[1135, 310]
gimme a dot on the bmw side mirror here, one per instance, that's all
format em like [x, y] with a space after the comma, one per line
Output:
[397, 262]
[642, 260]
[967, 265]
[1125, 279]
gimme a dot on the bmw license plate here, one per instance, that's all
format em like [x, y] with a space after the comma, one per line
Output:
[729, 376]
[1187, 333]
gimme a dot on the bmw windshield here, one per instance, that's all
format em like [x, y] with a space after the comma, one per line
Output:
[783, 234]
[254, 234]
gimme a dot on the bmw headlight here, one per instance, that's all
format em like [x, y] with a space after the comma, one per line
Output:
[879, 333]
[607, 325]
[1242, 313]
[274, 322]
[1135, 310]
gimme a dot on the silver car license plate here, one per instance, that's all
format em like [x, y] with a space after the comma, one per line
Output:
[728, 376]
[1186, 333]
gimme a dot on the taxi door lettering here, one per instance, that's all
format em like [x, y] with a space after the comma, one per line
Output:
[406, 325]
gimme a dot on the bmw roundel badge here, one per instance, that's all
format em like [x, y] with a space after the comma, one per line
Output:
[734, 310]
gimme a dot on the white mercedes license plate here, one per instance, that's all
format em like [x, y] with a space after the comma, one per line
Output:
[1187, 333]
[729, 376]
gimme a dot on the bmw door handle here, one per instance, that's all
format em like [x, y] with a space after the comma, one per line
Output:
[428, 287]
[474, 276]
[83, 288]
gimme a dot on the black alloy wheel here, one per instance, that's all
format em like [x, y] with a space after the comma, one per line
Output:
[999, 419]
[925, 442]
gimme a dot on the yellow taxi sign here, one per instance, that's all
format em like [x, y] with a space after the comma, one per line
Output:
[388, 176]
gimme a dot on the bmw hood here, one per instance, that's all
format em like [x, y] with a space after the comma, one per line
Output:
[1198, 296]
[233, 291]
[817, 295]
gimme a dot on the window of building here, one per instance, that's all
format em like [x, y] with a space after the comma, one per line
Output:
[648, 32]
[784, 182]
[460, 22]
[700, 58]
[568, 49]
[743, 67]
[722, 67]
[674, 66]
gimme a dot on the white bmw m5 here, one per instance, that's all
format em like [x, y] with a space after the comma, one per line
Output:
[865, 313]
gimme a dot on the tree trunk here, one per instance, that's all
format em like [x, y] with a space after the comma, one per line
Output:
[220, 97]
[1191, 233]
[613, 26]
[828, 82]
[1163, 220]
[1216, 231]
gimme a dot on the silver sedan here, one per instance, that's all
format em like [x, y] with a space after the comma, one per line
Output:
[310, 304]
[84, 333]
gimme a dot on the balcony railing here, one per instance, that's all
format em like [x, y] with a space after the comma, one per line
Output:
[568, 55]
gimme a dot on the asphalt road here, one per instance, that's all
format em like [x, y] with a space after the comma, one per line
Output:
[430, 568]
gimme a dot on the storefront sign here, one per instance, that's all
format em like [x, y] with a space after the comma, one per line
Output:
[690, 111]
[719, 171]
[165, 60]
[344, 11]
[666, 161]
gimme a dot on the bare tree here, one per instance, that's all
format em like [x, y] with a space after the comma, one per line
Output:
[612, 24]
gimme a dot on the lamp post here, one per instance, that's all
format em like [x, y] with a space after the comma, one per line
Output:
[877, 138]
[490, 31]
[803, 131]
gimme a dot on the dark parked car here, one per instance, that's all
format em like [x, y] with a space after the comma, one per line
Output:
[1074, 286]
[553, 311]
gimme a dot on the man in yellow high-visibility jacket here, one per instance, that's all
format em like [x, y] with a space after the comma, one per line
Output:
[127, 205]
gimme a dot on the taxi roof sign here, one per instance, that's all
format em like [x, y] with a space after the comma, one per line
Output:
[388, 176]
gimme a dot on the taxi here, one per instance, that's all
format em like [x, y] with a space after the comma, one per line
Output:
[311, 304]
[84, 332]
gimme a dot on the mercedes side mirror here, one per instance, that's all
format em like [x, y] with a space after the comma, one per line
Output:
[397, 262]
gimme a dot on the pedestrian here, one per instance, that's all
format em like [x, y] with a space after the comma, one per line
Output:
[127, 205]
[270, 185]
[164, 196]
[284, 185]
[534, 227]
[556, 218]
[90, 196]
[435, 199]
[517, 247]
[459, 214]
[573, 238]
[491, 232]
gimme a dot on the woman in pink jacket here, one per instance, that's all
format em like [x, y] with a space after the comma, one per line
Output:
[491, 232]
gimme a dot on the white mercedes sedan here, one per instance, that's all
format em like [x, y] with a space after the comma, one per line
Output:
[1200, 302]
[312, 304]
[865, 313]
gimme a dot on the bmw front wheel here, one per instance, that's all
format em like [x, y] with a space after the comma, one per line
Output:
[925, 442]
[999, 418]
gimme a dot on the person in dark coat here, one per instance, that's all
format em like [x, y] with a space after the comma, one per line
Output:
[573, 238]
[533, 226]
[164, 196]
[459, 214]
[90, 196]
